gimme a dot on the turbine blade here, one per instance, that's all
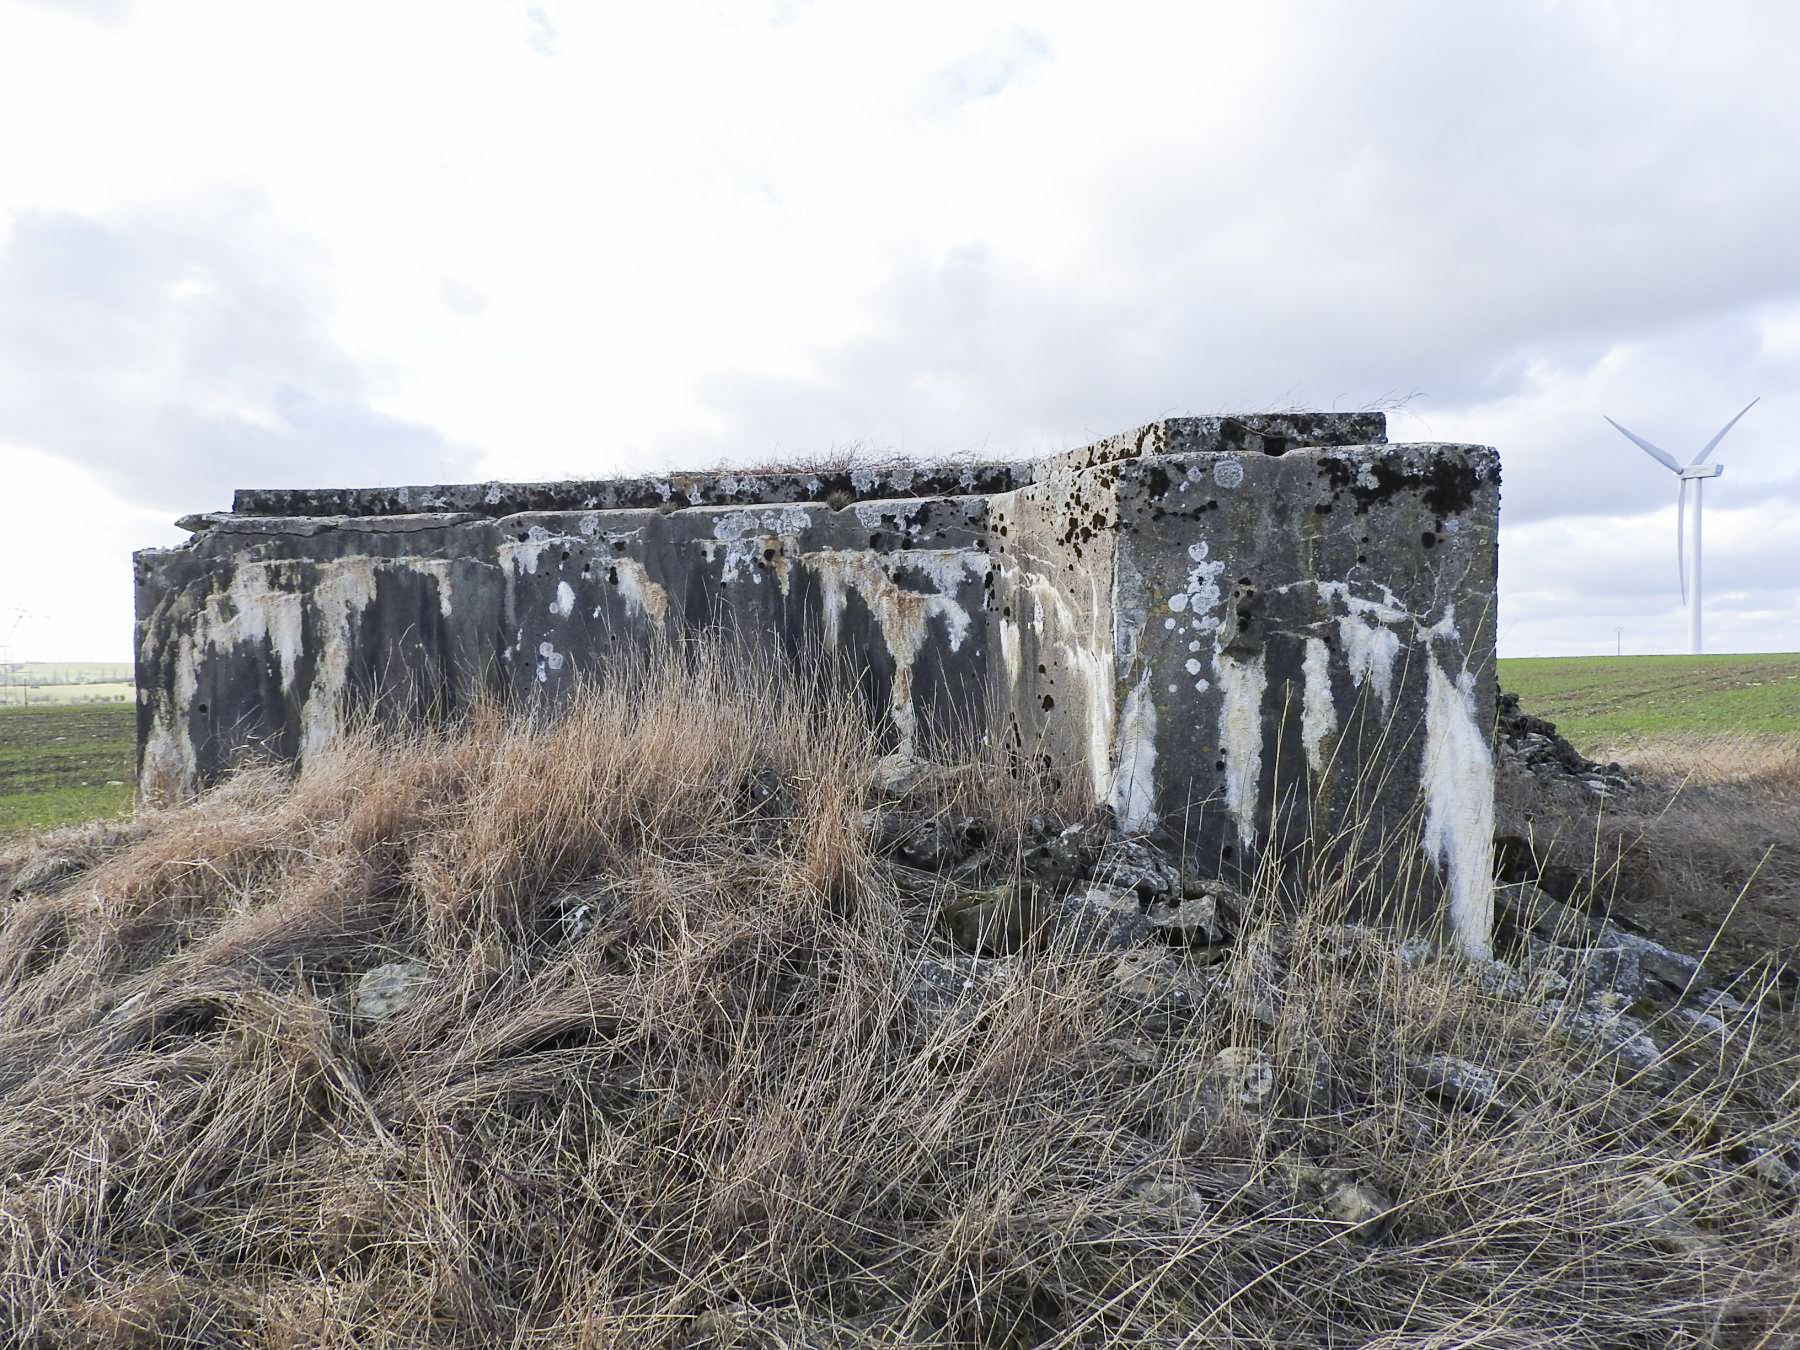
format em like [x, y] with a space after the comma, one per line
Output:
[1655, 452]
[1699, 458]
[1681, 536]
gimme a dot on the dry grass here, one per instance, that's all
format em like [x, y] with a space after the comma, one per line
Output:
[724, 1115]
[1706, 856]
[1771, 763]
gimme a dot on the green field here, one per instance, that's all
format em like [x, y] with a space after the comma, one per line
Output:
[1613, 700]
[62, 762]
[65, 762]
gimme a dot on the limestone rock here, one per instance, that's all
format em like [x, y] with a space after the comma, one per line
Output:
[389, 990]
[1136, 865]
[935, 844]
[1244, 1075]
[1456, 1082]
[1202, 914]
[1363, 1207]
[1099, 917]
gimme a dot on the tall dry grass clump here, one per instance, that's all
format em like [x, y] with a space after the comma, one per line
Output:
[672, 1055]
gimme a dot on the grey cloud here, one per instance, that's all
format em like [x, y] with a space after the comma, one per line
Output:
[1449, 203]
[180, 357]
[96, 11]
[1003, 57]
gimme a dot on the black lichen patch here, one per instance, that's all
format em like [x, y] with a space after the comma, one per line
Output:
[1450, 486]
[1446, 485]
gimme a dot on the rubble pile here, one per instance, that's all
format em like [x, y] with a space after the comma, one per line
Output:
[1531, 744]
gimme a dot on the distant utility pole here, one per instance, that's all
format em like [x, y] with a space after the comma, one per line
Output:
[1618, 642]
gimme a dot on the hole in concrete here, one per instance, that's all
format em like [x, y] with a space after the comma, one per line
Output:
[200, 707]
[1428, 539]
[1049, 703]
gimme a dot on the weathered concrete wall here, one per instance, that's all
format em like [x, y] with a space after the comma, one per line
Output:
[1239, 632]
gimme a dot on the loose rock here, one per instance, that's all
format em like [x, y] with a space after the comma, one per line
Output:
[388, 990]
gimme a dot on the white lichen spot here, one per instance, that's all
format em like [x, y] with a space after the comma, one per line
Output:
[1457, 782]
[1318, 711]
[564, 603]
[1134, 781]
[1192, 665]
[1241, 687]
[549, 661]
[524, 554]
[1228, 472]
[1200, 596]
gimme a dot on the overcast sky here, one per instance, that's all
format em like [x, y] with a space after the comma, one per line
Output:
[332, 242]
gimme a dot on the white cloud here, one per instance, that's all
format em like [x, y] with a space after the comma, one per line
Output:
[339, 241]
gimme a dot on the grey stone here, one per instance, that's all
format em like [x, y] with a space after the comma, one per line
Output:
[1099, 917]
[387, 991]
[1238, 633]
[1139, 866]
[1457, 1082]
[1361, 1206]
[934, 844]
[1244, 1075]
[1205, 917]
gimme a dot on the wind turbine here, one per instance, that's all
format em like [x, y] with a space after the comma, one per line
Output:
[1687, 527]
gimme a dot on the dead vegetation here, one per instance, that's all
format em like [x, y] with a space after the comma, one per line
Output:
[668, 1061]
[1704, 853]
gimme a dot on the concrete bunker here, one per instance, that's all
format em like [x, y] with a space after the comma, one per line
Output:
[1242, 633]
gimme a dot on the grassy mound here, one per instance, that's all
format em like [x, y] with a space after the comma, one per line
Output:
[667, 1054]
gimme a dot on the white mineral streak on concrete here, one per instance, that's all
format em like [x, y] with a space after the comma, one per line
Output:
[1318, 712]
[1443, 628]
[564, 603]
[901, 615]
[1095, 671]
[1458, 786]
[438, 569]
[1369, 651]
[1241, 687]
[1134, 783]
[1071, 636]
[168, 769]
[251, 610]
[1009, 649]
[343, 589]
[639, 592]
[261, 612]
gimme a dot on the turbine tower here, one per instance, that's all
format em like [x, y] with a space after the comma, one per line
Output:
[1687, 527]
